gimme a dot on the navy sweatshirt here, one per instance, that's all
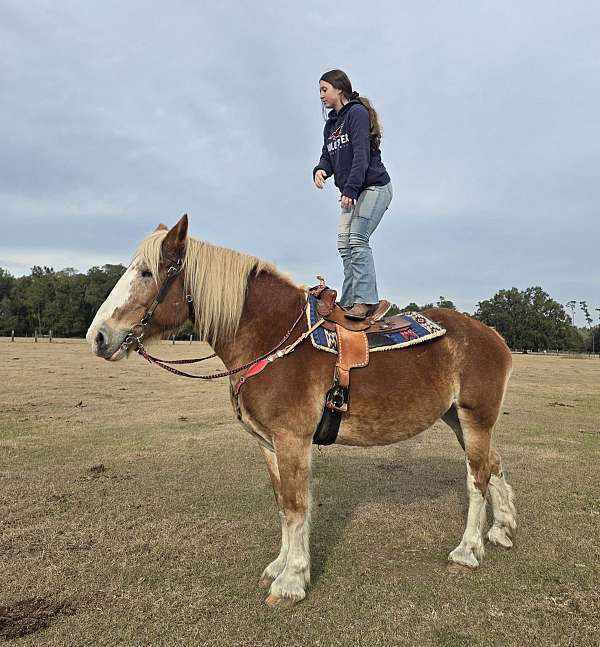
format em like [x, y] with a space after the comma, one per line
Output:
[347, 151]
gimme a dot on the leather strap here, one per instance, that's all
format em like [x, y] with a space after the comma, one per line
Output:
[326, 304]
[172, 272]
[353, 352]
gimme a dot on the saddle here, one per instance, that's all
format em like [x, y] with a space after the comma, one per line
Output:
[334, 314]
[353, 352]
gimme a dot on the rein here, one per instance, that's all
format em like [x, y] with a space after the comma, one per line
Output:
[269, 356]
[255, 365]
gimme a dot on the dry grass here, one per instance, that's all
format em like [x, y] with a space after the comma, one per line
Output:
[134, 511]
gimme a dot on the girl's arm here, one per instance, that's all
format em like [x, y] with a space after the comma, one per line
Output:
[324, 163]
[360, 138]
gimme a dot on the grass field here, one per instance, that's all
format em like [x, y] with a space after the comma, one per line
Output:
[135, 511]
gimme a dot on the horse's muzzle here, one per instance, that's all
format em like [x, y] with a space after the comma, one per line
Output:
[108, 343]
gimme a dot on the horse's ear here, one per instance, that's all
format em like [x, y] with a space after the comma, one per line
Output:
[174, 243]
[161, 227]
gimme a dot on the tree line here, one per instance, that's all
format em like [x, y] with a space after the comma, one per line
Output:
[530, 320]
[65, 302]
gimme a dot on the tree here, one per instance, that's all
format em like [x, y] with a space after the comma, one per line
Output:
[571, 306]
[68, 313]
[528, 319]
[7, 316]
[589, 320]
[411, 307]
[64, 302]
[586, 312]
[40, 291]
[394, 310]
[445, 303]
[7, 281]
[414, 307]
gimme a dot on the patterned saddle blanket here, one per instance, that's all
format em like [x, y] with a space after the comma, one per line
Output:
[421, 329]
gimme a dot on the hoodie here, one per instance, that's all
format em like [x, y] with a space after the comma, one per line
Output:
[347, 153]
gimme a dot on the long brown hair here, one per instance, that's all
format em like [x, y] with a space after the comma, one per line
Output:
[340, 81]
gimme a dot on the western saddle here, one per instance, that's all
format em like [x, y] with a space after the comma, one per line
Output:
[353, 348]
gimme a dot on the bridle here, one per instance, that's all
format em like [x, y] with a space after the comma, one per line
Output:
[137, 332]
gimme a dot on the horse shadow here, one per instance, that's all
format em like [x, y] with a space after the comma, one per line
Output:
[347, 485]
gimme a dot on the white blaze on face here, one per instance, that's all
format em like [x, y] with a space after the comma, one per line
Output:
[118, 297]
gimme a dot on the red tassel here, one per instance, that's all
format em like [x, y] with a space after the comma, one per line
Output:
[256, 368]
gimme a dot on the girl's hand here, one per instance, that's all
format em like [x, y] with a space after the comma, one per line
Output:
[347, 203]
[320, 177]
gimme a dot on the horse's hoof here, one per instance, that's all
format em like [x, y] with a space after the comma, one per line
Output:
[500, 537]
[265, 582]
[280, 603]
[465, 556]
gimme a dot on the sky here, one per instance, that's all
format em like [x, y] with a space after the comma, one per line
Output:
[117, 116]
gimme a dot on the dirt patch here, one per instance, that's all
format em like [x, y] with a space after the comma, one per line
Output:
[96, 470]
[28, 616]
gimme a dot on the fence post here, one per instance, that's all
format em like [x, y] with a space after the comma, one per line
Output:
[12, 335]
[50, 336]
[191, 338]
[35, 335]
[173, 340]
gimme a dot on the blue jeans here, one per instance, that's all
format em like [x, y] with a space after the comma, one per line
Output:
[355, 228]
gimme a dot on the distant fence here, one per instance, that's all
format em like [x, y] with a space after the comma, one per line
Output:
[556, 353]
[35, 337]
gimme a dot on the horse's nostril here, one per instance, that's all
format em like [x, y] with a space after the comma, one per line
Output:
[99, 340]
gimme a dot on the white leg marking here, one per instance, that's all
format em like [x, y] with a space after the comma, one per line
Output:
[470, 551]
[277, 565]
[292, 581]
[503, 532]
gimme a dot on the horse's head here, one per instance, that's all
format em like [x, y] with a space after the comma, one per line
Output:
[135, 292]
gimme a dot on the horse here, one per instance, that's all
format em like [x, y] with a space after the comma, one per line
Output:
[243, 306]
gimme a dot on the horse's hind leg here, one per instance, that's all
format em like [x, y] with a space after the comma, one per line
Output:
[477, 434]
[278, 564]
[503, 530]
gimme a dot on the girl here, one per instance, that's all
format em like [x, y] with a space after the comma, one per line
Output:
[351, 154]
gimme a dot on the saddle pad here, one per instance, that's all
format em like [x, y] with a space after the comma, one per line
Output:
[421, 329]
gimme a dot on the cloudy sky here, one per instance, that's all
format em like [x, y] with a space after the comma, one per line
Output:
[118, 115]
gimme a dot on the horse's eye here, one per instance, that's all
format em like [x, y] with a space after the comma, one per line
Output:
[147, 274]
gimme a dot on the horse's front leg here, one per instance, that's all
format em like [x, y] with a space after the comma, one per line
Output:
[277, 565]
[293, 456]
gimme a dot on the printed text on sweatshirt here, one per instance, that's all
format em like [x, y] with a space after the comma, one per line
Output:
[347, 153]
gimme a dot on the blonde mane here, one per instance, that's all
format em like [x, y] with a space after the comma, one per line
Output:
[215, 277]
